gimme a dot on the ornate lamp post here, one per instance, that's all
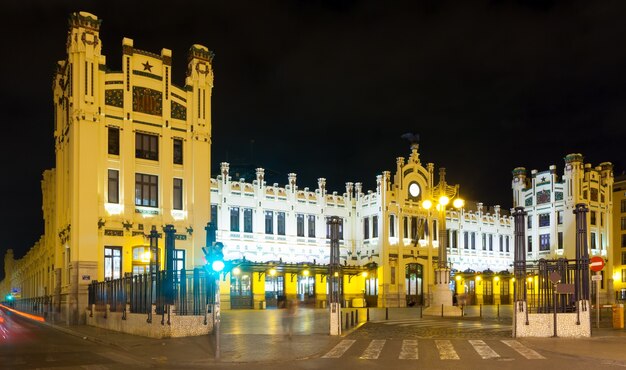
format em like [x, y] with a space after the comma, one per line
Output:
[440, 197]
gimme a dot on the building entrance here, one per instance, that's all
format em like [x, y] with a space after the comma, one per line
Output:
[275, 291]
[414, 284]
[241, 290]
[306, 290]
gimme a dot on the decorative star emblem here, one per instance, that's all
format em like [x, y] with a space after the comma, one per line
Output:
[543, 179]
[147, 66]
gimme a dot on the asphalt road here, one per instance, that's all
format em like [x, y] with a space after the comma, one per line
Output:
[27, 344]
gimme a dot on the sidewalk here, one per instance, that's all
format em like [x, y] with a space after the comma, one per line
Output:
[248, 336]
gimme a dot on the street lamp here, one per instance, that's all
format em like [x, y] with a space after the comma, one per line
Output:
[440, 196]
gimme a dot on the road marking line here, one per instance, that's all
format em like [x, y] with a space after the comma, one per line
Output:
[373, 350]
[523, 350]
[409, 350]
[339, 349]
[483, 349]
[446, 350]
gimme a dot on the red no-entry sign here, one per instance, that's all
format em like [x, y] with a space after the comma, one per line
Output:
[596, 263]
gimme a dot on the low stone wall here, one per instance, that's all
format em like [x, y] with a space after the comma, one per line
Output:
[570, 325]
[136, 324]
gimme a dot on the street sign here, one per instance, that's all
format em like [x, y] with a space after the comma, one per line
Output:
[555, 277]
[596, 263]
[596, 277]
[565, 288]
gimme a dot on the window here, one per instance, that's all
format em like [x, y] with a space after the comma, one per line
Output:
[406, 227]
[490, 242]
[465, 240]
[114, 141]
[530, 221]
[146, 146]
[530, 243]
[374, 226]
[560, 240]
[594, 194]
[300, 224]
[112, 263]
[623, 275]
[601, 219]
[179, 259]
[214, 214]
[623, 206]
[311, 226]
[146, 190]
[473, 240]
[559, 216]
[623, 223]
[454, 238]
[593, 241]
[623, 258]
[500, 245]
[234, 219]
[592, 215]
[414, 227]
[484, 242]
[544, 219]
[114, 186]
[341, 230]
[280, 223]
[178, 151]
[507, 244]
[178, 194]
[392, 226]
[269, 222]
[247, 220]
[544, 242]
[623, 240]
[366, 228]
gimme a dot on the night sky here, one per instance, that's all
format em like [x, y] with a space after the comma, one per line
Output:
[326, 88]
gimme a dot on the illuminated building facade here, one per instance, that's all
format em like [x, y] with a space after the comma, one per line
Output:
[132, 152]
[551, 224]
[619, 237]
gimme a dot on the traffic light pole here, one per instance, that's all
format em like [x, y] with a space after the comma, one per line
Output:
[213, 254]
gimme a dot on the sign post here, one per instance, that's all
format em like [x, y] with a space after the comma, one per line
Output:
[596, 264]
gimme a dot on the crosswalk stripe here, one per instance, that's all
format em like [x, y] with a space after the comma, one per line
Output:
[483, 349]
[373, 350]
[339, 349]
[409, 350]
[523, 350]
[446, 350]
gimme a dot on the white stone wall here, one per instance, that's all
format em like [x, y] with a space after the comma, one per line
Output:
[568, 325]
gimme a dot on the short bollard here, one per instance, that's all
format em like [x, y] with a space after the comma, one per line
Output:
[347, 320]
[368, 314]
[481, 310]
[498, 310]
[386, 313]
[351, 318]
[442, 310]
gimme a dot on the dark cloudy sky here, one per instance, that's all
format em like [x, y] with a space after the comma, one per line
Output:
[326, 88]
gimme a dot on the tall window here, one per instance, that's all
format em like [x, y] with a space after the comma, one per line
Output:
[269, 222]
[114, 140]
[623, 258]
[560, 240]
[435, 229]
[473, 240]
[300, 224]
[454, 239]
[544, 242]
[623, 223]
[178, 151]
[484, 242]
[374, 226]
[234, 219]
[311, 226]
[592, 215]
[623, 240]
[530, 221]
[507, 244]
[112, 263]
[406, 227]
[214, 214]
[366, 228]
[179, 259]
[392, 226]
[490, 242]
[341, 229]
[559, 216]
[178, 194]
[146, 146]
[593, 241]
[544, 219]
[114, 186]
[530, 243]
[623, 275]
[500, 244]
[623, 206]
[247, 220]
[146, 190]
[465, 240]
[280, 223]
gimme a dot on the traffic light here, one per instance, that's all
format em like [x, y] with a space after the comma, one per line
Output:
[214, 257]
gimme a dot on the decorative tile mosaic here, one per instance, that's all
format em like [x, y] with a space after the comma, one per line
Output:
[558, 195]
[528, 202]
[543, 196]
[114, 97]
[147, 100]
[179, 111]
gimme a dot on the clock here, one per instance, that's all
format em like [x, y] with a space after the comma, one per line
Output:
[414, 190]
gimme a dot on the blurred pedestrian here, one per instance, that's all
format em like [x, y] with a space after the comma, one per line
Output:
[289, 316]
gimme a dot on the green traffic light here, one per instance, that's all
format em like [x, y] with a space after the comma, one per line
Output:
[217, 265]
[9, 297]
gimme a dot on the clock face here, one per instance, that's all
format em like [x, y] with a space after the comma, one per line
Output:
[414, 190]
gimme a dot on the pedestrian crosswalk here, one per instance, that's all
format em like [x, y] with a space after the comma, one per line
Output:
[410, 349]
[435, 323]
